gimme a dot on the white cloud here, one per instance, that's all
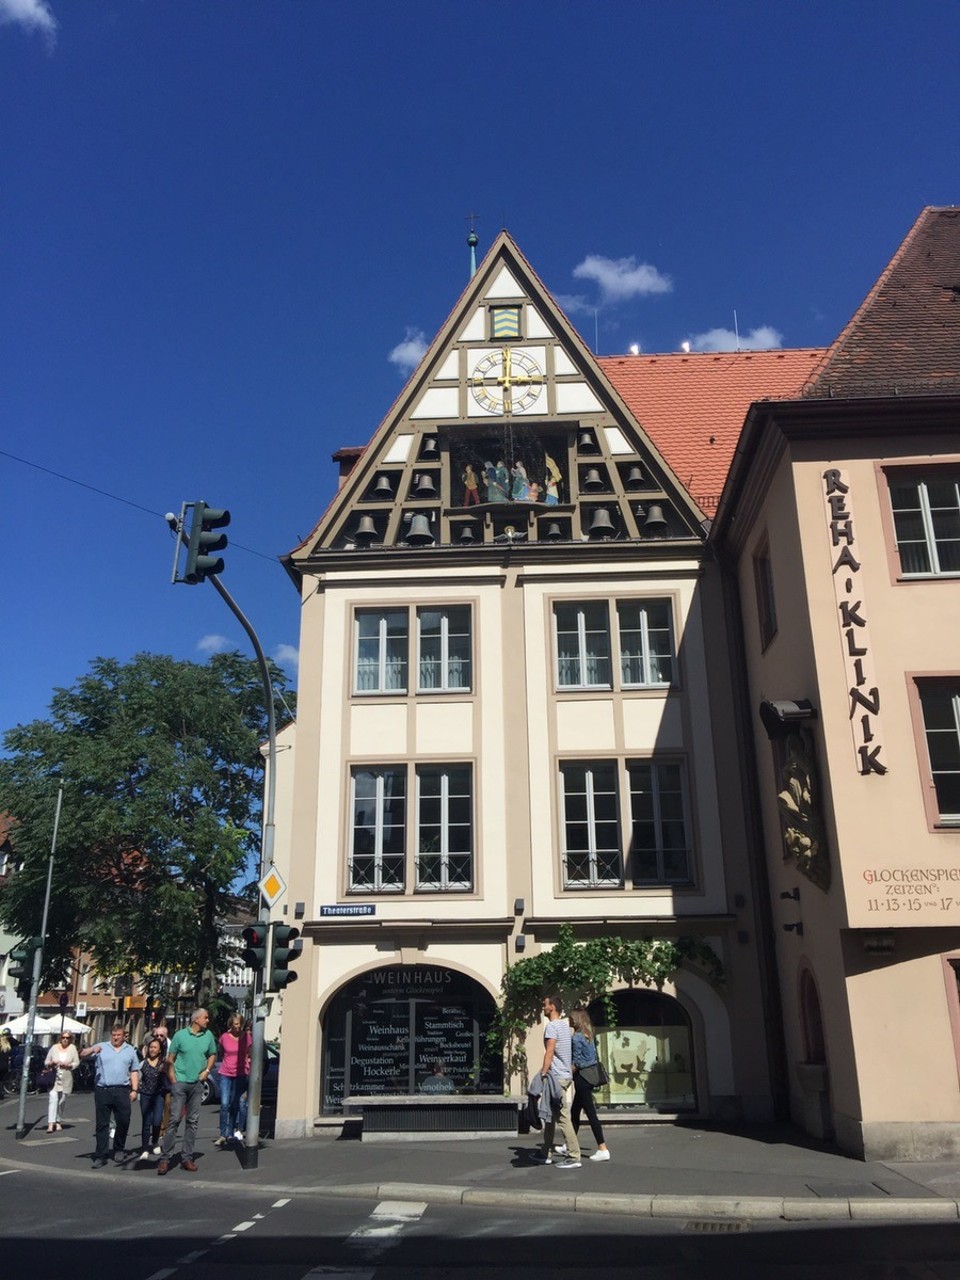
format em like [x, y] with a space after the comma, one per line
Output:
[406, 355]
[763, 338]
[287, 655]
[573, 304]
[33, 14]
[620, 279]
[213, 644]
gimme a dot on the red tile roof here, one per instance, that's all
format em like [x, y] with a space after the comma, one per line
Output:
[905, 337]
[693, 406]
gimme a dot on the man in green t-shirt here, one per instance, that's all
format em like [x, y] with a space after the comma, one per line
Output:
[190, 1059]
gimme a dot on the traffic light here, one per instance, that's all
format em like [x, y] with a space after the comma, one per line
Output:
[254, 954]
[21, 968]
[203, 540]
[284, 951]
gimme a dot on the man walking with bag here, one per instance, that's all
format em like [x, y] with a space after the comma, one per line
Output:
[558, 1065]
[193, 1051]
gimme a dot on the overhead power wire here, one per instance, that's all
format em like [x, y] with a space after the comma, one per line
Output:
[104, 493]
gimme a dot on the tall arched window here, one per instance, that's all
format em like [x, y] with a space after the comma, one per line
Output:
[811, 1019]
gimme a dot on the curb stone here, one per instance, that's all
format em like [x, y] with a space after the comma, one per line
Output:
[756, 1208]
[920, 1210]
[753, 1208]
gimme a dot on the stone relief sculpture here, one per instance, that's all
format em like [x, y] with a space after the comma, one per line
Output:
[801, 817]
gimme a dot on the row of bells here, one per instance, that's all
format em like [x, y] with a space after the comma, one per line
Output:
[425, 487]
[601, 526]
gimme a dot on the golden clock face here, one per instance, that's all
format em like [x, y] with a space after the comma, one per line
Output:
[506, 381]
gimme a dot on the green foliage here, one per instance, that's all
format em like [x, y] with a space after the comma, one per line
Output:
[585, 971]
[161, 812]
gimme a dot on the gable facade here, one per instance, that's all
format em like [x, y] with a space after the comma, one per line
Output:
[512, 660]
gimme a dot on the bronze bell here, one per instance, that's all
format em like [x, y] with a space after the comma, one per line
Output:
[586, 443]
[635, 478]
[430, 449]
[554, 532]
[424, 487]
[601, 526]
[593, 480]
[420, 532]
[366, 530]
[383, 488]
[467, 535]
[656, 521]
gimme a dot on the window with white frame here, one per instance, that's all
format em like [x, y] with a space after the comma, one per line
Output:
[591, 827]
[940, 703]
[651, 825]
[926, 517]
[444, 649]
[583, 645]
[381, 651]
[378, 801]
[437, 825]
[640, 631]
[646, 642]
[659, 849]
[444, 827]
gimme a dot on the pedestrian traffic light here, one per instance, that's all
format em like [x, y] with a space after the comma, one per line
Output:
[284, 951]
[254, 954]
[203, 540]
[21, 968]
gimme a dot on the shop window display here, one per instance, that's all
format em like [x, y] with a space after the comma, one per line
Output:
[409, 1030]
[648, 1055]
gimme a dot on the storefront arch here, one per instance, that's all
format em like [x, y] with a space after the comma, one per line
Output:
[408, 1029]
[649, 1053]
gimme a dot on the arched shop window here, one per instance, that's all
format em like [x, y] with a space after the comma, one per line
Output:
[410, 1029]
[648, 1055]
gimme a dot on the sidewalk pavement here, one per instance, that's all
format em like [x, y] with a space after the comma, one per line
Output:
[656, 1170]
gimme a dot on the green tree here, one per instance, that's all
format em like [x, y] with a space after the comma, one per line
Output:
[161, 812]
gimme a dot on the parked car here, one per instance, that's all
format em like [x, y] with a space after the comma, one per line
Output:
[271, 1076]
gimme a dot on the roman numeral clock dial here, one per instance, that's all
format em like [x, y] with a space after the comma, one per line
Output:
[506, 382]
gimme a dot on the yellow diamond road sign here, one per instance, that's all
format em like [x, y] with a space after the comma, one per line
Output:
[272, 886]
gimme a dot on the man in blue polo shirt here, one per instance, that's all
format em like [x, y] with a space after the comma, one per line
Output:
[116, 1083]
[193, 1051]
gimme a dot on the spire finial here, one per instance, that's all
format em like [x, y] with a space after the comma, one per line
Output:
[473, 240]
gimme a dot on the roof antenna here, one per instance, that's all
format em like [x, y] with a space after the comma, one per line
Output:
[473, 240]
[736, 327]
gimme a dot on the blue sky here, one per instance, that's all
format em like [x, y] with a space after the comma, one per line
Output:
[220, 219]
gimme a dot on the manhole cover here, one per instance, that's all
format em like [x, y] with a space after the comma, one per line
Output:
[716, 1226]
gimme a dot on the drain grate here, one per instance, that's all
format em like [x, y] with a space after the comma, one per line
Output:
[716, 1226]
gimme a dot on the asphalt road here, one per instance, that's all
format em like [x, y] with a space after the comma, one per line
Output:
[150, 1229]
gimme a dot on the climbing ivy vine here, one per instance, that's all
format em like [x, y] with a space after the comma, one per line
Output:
[583, 971]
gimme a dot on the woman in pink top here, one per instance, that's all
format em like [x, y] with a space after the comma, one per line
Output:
[232, 1074]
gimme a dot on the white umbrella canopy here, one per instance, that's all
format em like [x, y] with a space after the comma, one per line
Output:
[41, 1026]
[57, 1025]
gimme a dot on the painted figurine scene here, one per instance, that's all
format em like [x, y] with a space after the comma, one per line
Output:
[508, 471]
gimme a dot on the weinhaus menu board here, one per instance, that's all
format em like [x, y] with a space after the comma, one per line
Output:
[408, 1030]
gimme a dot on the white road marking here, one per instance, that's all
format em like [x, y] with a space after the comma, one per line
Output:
[162, 1275]
[219, 1240]
[278, 1204]
[3, 1172]
[400, 1210]
[376, 1233]
[192, 1257]
[244, 1226]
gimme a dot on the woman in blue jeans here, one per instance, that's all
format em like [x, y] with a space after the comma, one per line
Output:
[154, 1084]
[232, 1074]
